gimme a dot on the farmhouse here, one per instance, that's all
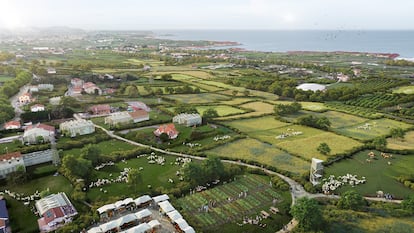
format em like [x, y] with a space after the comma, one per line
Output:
[101, 109]
[74, 128]
[25, 98]
[311, 87]
[187, 119]
[34, 132]
[91, 88]
[137, 105]
[4, 217]
[51, 71]
[55, 211]
[37, 108]
[139, 115]
[12, 125]
[168, 129]
[118, 118]
[33, 89]
[10, 162]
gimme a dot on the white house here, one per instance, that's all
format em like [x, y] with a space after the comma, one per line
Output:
[118, 118]
[187, 119]
[33, 132]
[77, 127]
[55, 210]
[316, 171]
[51, 70]
[10, 162]
[37, 108]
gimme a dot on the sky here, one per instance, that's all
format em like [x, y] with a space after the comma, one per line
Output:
[211, 14]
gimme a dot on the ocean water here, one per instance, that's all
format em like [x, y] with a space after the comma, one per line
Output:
[401, 42]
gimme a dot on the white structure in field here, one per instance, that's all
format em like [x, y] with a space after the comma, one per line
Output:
[118, 118]
[10, 163]
[74, 128]
[187, 119]
[37, 108]
[33, 132]
[316, 171]
[311, 87]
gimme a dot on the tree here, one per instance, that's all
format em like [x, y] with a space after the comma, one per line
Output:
[134, 178]
[324, 148]
[166, 77]
[234, 92]
[396, 227]
[246, 92]
[91, 153]
[308, 213]
[210, 113]
[192, 173]
[408, 204]
[284, 109]
[397, 133]
[351, 200]
[185, 109]
[164, 137]
[131, 91]
[379, 142]
[76, 166]
[213, 168]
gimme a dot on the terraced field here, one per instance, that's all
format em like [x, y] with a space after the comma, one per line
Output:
[198, 98]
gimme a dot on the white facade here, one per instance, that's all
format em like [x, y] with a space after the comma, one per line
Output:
[118, 118]
[188, 119]
[31, 135]
[38, 157]
[77, 127]
[37, 108]
[10, 163]
[316, 171]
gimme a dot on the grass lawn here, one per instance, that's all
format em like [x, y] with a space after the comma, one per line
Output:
[254, 150]
[10, 147]
[379, 175]
[222, 110]
[404, 90]
[305, 144]
[152, 174]
[198, 98]
[224, 216]
[406, 144]
[195, 81]
[21, 217]
[259, 108]
[378, 127]
[255, 124]
[314, 106]
[106, 147]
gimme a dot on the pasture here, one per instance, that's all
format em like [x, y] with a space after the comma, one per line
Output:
[255, 150]
[259, 108]
[406, 144]
[408, 90]
[379, 174]
[255, 124]
[222, 110]
[314, 106]
[230, 207]
[198, 98]
[106, 147]
[4, 78]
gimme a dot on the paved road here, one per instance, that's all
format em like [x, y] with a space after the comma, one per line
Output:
[14, 100]
[297, 190]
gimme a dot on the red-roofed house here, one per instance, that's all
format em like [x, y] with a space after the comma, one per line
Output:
[25, 98]
[37, 108]
[12, 125]
[100, 109]
[139, 115]
[76, 82]
[34, 132]
[91, 88]
[136, 105]
[168, 129]
[10, 163]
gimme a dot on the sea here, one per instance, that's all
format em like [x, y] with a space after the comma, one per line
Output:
[387, 41]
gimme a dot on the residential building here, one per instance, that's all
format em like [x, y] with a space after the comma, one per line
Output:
[12, 125]
[168, 129]
[10, 162]
[25, 98]
[55, 210]
[76, 82]
[33, 89]
[4, 218]
[51, 70]
[188, 119]
[118, 118]
[139, 115]
[37, 108]
[342, 77]
[33, 132]
[101, 109]
[91, 88]
[74, 128]
[55, 100]
[137, 105]
[45, 86]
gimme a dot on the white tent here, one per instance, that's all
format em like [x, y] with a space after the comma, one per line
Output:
[166, 206]
[142, 199]
[174, 215]
[95, 230]
[109, 226]
[154, 223]
[128, 201]
[105, 208]
[142, 214]
[141, 228]
[126, 219]
[189, 229]
[161, 198]
[182, 224]
[118, 204]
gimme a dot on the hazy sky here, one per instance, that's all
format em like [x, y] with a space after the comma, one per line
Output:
[211, 14]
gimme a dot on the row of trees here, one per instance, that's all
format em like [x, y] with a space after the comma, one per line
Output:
[285, 109]
[315, 122]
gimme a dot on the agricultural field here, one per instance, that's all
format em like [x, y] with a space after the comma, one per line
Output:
[314, 106]
[379, 174]
[256, 124]
[222, 110]
[408, 90]
[259, 108]
[354, 110]
[4, 78]
[254, 150]
[106, 147]
[155, 175]
[237, 101]
[375, 101]
[198, 98]
[224, 215]
[405, 144]
[303, 141]
[372, 128]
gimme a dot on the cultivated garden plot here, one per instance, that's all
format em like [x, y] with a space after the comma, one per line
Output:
[254, 150]
[247, 196]
[222, 110]
[256, 124]
[380, 173]
[373, 128]
[402, 144]
[198, 98]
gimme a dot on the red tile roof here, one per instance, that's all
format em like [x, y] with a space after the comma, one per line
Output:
[12, 123]
[168, 129]
[138, 114]
[41, 126]
[52, 214]
[10, 155]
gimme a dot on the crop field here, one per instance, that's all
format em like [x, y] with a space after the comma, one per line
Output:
[222, 110]
[379, 174]
[237, 101]
[312, 106]
[372, 128]
[408, 90]
[259, 197]
[255, 124]
[255, 150]
[198, 98]
[374, 101]
[259, 108]
[354, 110]
[406, 144]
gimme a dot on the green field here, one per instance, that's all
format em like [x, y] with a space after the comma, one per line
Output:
[198, 98]
[377, 128]
[152, 174]
[255, 124]
[314, 106]
[224, 215]
[379, 175]
[4, 78]
[259, 108]
[237, 101]
[406, 144]
[408, 90]
[106, 147]
[222, 110]
[254, 150]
